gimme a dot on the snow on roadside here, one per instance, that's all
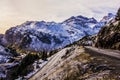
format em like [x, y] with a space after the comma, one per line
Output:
[37, 66]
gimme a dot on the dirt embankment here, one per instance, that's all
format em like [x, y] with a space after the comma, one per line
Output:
[75, 63]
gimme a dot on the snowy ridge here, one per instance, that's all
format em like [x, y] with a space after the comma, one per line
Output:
[105, 20]
[4, 54]
[41, 35]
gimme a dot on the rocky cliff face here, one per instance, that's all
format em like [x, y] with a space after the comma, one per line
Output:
[1, 37]
[109, 35]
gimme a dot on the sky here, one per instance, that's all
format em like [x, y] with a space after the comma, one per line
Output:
[15, 12]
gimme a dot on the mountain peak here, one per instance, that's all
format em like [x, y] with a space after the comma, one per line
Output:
[111, 14]
[80, 19]
[107, 18]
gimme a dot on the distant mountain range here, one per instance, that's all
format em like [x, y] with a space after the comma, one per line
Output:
[41, 35]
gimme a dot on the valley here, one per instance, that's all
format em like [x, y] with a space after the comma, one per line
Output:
[79, 48]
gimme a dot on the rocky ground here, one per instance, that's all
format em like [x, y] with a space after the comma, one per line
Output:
[77, 64]
[109, 35]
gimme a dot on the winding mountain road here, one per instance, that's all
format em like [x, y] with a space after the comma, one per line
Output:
[107, 52]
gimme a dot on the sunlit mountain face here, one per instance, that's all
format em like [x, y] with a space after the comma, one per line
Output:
[41, 35]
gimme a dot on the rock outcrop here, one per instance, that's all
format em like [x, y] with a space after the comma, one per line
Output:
[109, 35]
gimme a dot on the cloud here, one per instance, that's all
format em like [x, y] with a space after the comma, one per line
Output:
[13, 12]
[58, 10]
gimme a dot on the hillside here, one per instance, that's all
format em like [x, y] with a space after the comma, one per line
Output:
[77, 63]
[109, 35]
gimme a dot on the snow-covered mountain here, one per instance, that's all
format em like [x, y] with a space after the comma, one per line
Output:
[5, 54]
[103, 21]
[41, 35]
[107, 18]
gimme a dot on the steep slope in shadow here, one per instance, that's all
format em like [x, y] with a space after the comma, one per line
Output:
[109, 35]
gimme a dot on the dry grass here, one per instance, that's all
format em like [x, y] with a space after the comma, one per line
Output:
[84, 67]
[83, 58]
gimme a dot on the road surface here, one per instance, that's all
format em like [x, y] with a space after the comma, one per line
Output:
[108, 52]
